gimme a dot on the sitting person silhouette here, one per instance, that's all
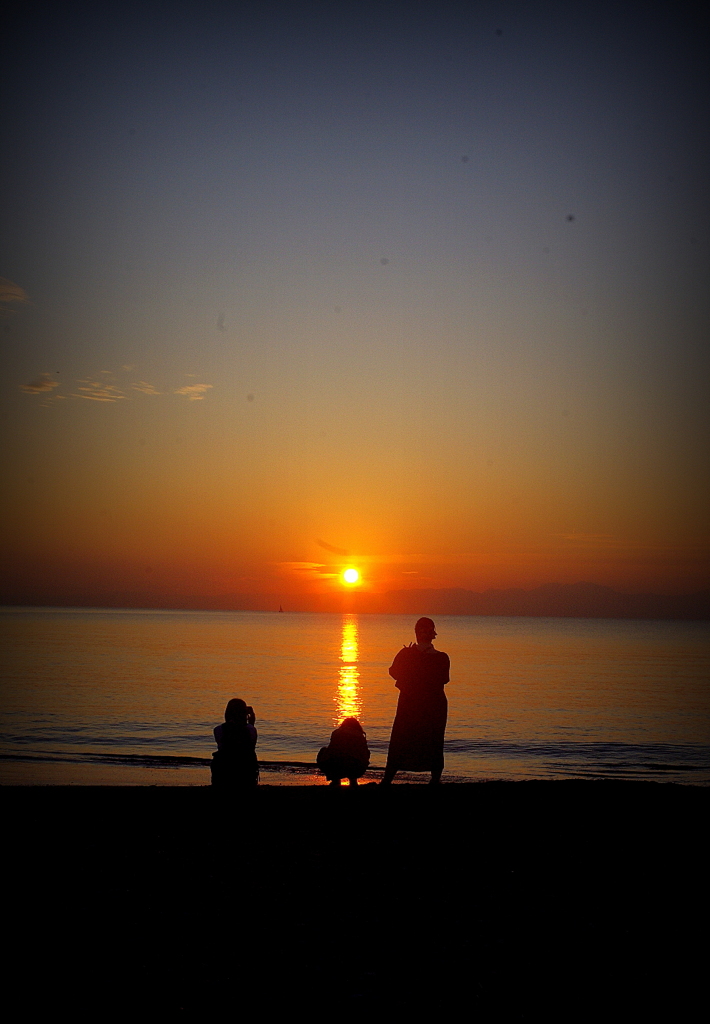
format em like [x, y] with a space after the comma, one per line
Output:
[234, 762]
[347, 755]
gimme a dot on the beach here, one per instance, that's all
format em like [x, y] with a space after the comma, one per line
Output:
[497, 901]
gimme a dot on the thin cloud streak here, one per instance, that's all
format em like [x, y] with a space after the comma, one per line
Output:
[45, 382]
[332, 548]
[193, 392]
[11, 293]
[103, 390]
[316, 570]
[99, 391]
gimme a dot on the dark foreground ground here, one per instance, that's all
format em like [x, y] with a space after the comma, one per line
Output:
[490, 902]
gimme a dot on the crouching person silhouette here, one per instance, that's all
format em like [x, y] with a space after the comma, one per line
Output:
[347, 755]
[234, 764]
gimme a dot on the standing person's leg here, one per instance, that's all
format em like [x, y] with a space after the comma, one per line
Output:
[439, 717]
[394, 754]
[437, 767]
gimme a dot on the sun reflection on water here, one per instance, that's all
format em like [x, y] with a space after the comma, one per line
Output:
[347, 699]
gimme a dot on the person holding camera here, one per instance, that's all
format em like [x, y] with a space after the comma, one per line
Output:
[420, 673]
[234, 763]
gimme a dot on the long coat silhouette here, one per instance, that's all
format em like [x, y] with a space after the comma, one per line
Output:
[417, 740]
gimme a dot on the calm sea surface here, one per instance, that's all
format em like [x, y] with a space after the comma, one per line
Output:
[131, 697]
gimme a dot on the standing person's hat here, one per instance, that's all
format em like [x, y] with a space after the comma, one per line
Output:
[425, 625]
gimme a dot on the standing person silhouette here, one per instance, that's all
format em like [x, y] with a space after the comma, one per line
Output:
[417, 740]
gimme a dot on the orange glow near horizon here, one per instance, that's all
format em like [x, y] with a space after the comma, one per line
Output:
[150, 512]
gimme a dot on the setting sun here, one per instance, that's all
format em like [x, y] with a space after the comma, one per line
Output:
[351, 576]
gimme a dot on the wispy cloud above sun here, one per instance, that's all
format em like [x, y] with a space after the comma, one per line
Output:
[105, 386]
[193, 392]
[99, 391]
[11, 294]
[332, 548]
[40, 385]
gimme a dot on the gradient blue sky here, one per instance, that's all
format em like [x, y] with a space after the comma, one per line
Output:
[427, 282]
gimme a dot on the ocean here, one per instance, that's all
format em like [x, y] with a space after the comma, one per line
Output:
[106, 697]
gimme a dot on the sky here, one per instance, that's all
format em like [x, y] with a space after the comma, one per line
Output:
[415, 288]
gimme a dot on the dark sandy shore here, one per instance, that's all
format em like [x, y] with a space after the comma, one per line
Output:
[495, 901]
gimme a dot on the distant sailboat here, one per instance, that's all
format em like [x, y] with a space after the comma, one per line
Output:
[280, 608]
